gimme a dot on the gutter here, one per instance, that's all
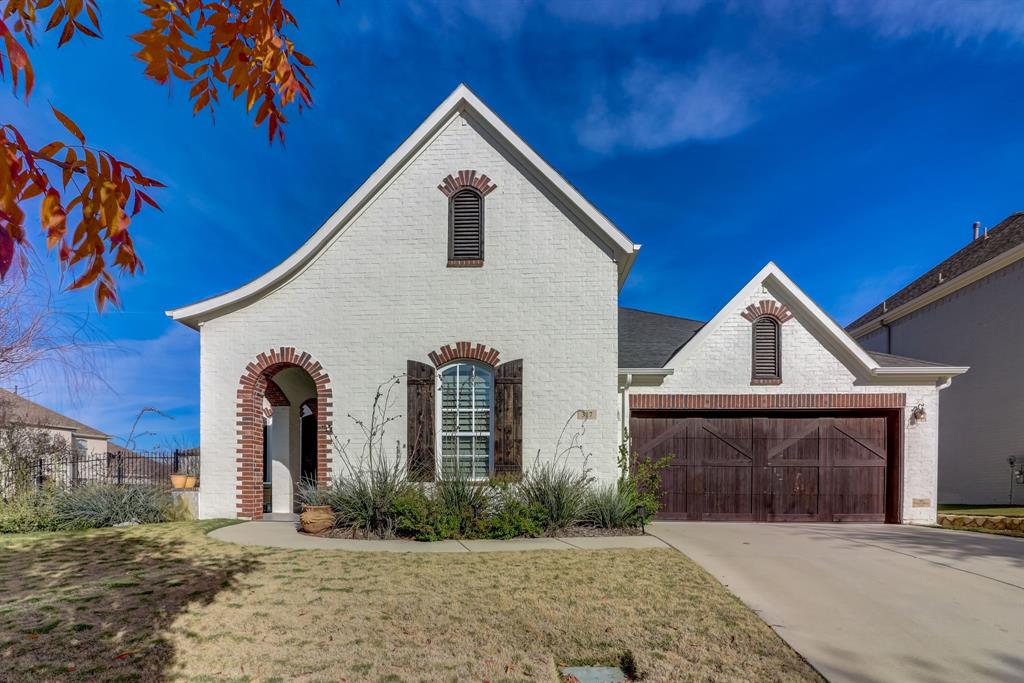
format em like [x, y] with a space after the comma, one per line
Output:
[926, 371]
[945, 289]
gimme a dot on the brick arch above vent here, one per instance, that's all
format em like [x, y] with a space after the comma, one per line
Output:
[453, 183]
[463, 350]
[767, 307]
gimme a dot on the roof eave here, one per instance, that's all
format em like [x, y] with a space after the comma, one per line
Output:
[945, 289]
[462, 99]
[935, 371]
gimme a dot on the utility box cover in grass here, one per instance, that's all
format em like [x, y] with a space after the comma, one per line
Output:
[594, 674]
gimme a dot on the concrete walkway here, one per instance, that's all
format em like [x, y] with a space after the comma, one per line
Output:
[284, 535]
[875, 602]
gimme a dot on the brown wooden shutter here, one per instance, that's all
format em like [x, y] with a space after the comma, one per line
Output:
[420, 421]
[466, 226]
[766, 348]
[508, 418]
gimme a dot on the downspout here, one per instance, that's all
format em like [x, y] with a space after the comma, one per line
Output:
[623, 442]
[888, 336]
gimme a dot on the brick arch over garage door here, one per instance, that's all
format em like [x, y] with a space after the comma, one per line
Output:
[253, 386]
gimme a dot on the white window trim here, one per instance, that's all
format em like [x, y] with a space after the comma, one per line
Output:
[438, 420]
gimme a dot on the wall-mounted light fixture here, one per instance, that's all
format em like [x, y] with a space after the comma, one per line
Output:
[918, 413]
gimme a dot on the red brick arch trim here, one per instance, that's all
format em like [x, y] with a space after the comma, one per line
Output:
[253, 387]
[763, 401]
[453, 183]
[275, 396]
[767, 307]
[463, 350]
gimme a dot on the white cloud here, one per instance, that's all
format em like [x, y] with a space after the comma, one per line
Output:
[656, 106]
[957, 20]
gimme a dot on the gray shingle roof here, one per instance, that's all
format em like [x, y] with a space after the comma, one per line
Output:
[888, 360]
[29, 412]
[1005, 236]
[649, 340]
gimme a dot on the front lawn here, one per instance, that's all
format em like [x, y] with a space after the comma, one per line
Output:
[985, 510]
[165, 602]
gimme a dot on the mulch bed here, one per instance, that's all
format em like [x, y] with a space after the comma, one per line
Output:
[571, 532]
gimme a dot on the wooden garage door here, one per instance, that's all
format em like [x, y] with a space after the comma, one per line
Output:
[800, 468]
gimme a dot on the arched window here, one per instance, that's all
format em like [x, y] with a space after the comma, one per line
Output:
[466, 412]
[767, 365]
[466, 226]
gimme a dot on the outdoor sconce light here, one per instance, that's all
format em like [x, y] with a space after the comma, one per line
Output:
[641, 512]
[918, 413]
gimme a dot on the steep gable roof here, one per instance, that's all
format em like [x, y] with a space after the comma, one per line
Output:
[30, 413]
[463, 102]
[1006, 239]
[839, 342]
[648, 340]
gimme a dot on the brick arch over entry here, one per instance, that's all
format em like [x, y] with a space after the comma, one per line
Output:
[256, 383]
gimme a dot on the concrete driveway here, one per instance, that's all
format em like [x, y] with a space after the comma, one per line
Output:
[875, 602]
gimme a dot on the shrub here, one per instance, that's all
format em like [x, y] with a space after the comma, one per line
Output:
[612, 506]
[467, 502]
[512, 517]
[559, 490]
[421, 517]
[99, 505]
[31, 510]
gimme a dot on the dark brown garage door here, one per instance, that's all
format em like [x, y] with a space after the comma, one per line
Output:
[771, 467]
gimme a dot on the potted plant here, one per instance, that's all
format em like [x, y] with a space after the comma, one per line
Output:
[317, 514]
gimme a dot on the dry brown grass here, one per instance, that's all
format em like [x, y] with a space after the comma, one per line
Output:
[167, 602]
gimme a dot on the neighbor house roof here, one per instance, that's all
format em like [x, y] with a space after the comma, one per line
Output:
[31, 413]
[648, 340]
[651, 340]
[462, 102]
[1003, 245]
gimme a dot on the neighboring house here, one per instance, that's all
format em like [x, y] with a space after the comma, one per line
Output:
[470, 268]
[20, 410]
[968, 310]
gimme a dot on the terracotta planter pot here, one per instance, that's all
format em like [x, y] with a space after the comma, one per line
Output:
[179, 481]
[190, 481]
[316, 519]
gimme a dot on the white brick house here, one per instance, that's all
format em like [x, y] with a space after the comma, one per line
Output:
[468, 267]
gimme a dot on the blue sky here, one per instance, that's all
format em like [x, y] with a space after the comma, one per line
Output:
[852, 142]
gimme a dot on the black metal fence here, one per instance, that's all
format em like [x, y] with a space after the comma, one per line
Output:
[125, 467]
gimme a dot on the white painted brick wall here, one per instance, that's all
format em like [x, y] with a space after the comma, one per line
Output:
[722, 366]
[382, 294]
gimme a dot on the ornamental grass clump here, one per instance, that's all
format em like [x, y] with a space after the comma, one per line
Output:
[466, 501]
[559, 490]
[99, 505]
[612, 506]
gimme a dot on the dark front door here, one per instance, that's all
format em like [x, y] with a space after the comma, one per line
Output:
[768, 467]
[307, 444]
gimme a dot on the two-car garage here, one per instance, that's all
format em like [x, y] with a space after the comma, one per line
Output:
[774, 466]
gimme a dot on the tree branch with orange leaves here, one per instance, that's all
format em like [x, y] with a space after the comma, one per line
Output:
[89, 197]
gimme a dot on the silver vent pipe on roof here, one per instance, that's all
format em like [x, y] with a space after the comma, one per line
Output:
[977, 228]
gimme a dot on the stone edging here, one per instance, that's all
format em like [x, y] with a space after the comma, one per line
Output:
[996, 523]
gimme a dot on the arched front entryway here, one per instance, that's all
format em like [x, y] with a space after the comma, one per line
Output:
[293, 391]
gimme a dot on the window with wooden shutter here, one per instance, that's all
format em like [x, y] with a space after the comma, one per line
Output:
[508, 419]
[465, 413]
[466, 228]
[420, 421]
[767, 365]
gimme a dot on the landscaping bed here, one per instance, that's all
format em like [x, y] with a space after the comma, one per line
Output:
[983, 510]
[995, 524]
[166, 602]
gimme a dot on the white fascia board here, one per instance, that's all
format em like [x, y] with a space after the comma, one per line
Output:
[459, 101]
[652, 372]
[770, 274]
[921, 371]
[945, 289]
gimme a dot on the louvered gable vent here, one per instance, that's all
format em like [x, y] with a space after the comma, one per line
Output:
[467, 226]
[766, 348]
